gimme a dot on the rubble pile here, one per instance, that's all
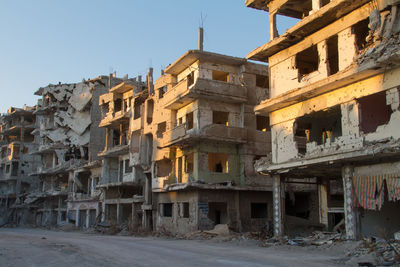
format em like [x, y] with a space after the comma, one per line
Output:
[384, 252]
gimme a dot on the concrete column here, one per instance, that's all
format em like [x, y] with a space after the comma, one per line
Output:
[273, 31]
[278, 204]
[77, 217]
[323, 204]
[241, 122]
[107, 138]
[103, 214]
[119, 213]
[121, 137]
[350, 212]
[316, 5]
[87, 218]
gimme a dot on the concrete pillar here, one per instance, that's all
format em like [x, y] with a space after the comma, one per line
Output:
[273, 31]
[278, 204]
[103, 213]
[241, 121]
[87, 218]
[316, 5]
[77, 217]
[323, 204]
[119, 213]
[107, 138]
[350, 212]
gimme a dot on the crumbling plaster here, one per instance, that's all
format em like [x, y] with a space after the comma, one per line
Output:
[282, 121]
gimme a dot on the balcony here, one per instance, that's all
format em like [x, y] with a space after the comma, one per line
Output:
[183, 93]
[115, 118]
[115, 151]
[217, 132]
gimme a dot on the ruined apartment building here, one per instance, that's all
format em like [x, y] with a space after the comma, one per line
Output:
[17, 163]
[122, 179]
[334, 113]
[200, 139]
[69, 141]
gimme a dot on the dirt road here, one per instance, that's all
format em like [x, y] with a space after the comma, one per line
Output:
[33, 247]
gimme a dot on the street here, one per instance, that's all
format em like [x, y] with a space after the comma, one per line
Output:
[37, 247]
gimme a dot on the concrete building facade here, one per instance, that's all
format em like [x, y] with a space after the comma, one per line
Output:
[17, 163]
[334, 111]
[203, 138]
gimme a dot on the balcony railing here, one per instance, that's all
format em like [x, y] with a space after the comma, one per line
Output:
[181, 134]
[183, 93]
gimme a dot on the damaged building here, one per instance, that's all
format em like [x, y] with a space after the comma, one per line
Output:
[201, 138]
[69, 141]
[122, 178]
[17, 163]
[334, 114]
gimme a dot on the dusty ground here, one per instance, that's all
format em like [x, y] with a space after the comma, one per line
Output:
[34, 247]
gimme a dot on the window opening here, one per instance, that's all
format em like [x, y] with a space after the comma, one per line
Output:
[218, 162]
[373, 112]
[307, 61]
[333, 57]
[150, 110]
[189, 120]
[319, 126]
[262, 81]
[166, 209]
[220, 117]
[185, 209]
[161, 128]
[262, 123]
[259, 210]
[189, 163]
[128, 169]
[220, 76]
[361, 31]
[117, 104]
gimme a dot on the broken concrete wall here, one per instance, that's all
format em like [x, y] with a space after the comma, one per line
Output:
[177, 222]
[283, 141]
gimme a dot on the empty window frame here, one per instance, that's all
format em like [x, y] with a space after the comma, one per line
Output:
[307, 61]
[166, 209]
[220, 117]
[117, 104]
[161, 128]
[179, 170]
[373, 112]
[319, 126]
[218, 162]
[262, 81]
[136, 109]
[14, 171]
[333, 55]
[190, 78]
[128, 169]
[162, 91]
[189, 120]
[262, 123]
[220, 76]
[184, 209]
[259, 210]
[189, 161]
[150, 110]
[361, 31]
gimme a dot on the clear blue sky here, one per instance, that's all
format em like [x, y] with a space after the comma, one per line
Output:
[47, 41]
